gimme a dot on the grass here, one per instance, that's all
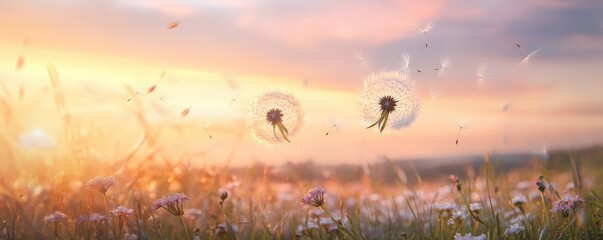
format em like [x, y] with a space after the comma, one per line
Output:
[261, 204]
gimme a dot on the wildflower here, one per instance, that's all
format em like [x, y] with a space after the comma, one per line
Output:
[172, 204]
[102, 184]
[97, 217]
[521, 218]
[519, 200]
[315, 197]
[566, 205]
[515, 228]
[445, 209]
[524, 185]
[222, 229]
[329, 225]
[451, 221]
[476, 208]
[193, 214]
[56, 217]
[468, 236]
[271, 111]
[540, 183]
[122, 211]
[458, 215]
[223, 196]
[390, 98]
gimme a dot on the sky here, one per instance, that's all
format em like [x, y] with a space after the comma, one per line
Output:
[226, 53]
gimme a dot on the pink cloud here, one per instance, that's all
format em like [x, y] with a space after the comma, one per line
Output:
[366, 22]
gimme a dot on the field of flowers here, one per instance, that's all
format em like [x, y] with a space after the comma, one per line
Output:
[149, 197]
[70, 192]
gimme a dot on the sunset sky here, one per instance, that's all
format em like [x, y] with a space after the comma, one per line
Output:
[320, 52]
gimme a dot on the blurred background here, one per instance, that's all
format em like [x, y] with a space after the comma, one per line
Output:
[216, 57]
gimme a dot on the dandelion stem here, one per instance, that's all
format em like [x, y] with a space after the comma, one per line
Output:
[284, 131]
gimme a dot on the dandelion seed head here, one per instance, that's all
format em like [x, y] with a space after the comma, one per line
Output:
[445, 63]
[268, 110]
[392, 92]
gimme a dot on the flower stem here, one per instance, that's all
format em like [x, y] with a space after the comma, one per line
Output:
[339, 224]
[106, 215]
[183, 227]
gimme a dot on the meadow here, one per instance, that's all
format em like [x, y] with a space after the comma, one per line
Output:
[70, 192]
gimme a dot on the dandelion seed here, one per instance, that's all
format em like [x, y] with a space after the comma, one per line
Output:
[173, 204]
[134, 96]
[428, 27]
[151, 89]
[20, 63]
[445, 63]
[102, 184]
[526, 60]
[314, 198]
[405, 68]
[56, 217]
[185, 112]
[335, 126]
[363, 61]
[481, 76]
[232, 84]
[505, 106]
[390, 98]
[528, 57]
[458, 135]
[272, 111]
[173, 25]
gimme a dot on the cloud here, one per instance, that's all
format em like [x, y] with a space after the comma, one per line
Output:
[370, 22]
